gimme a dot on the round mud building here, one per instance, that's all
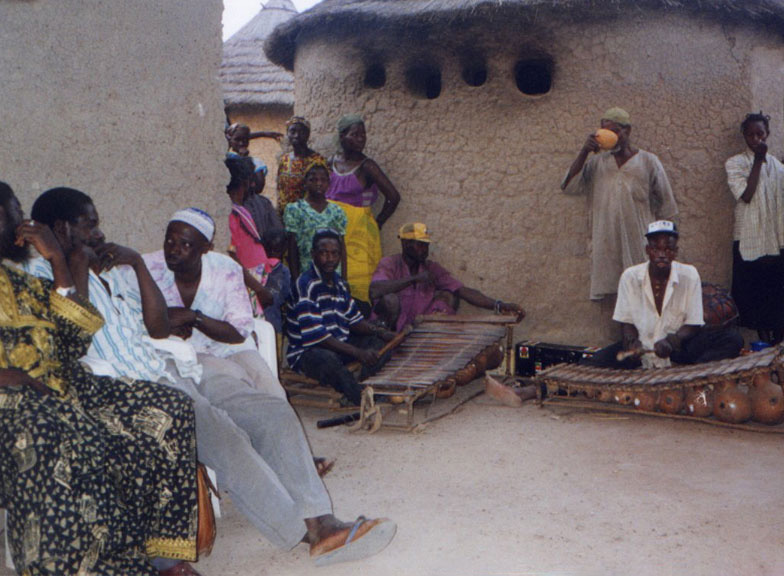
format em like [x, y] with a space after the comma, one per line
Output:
[476, 109]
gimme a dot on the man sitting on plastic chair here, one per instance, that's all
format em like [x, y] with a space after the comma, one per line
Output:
[250, 437]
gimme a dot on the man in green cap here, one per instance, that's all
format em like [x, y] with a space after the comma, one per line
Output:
[628, 189]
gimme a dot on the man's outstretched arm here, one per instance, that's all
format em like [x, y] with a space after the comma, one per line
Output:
[475, 297]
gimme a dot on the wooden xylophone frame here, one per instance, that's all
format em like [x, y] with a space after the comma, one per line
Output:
[405, 380]
[562, 383]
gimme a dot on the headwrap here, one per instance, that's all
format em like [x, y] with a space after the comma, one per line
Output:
[317, 162]
[348, 121]
[298, 120]
[617, 115]
[259, 166]
[199, 219]
[344, 124]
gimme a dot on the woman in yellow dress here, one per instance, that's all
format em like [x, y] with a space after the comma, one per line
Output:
[355, 183]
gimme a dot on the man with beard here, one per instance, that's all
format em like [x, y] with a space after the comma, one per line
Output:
[627, 188]
[95, 476]
[252, 439]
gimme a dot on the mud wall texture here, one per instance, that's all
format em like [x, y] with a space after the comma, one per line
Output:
[266, 149]
[482, 164]
[120, 100]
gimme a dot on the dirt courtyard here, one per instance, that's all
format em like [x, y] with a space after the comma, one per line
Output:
[493, 490]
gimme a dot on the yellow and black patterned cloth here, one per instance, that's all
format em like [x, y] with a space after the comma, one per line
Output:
[100, 475]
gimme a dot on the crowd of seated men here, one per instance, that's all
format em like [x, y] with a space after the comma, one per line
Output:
[116, 369]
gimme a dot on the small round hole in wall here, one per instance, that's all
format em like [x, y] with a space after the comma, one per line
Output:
[475, 73]
[375, 76]
[424, 81]
[534, 77]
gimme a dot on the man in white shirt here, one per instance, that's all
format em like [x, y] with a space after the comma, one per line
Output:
[660, 310]
[659, 302]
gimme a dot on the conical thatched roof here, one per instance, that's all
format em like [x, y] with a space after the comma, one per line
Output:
[331, 16]
[247, 76]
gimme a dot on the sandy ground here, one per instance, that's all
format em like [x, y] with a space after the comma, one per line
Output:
[493, 490]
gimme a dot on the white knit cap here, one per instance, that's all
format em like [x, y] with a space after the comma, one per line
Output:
[199, 219]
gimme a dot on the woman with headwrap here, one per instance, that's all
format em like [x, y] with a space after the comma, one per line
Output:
[292, 166]
[355, 183]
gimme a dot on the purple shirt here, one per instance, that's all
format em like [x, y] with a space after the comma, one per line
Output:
[346, 188]
[417, 298]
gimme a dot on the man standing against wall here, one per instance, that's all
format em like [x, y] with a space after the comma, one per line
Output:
[628, 188]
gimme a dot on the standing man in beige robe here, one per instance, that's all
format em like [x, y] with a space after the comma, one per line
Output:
[628, 189]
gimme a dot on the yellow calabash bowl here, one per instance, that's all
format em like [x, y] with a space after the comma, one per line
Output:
[607, 139]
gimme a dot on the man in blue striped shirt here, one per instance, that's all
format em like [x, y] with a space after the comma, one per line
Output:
[326, 329]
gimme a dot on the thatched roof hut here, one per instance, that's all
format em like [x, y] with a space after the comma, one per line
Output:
[477, 108]
[333, 15]
[257, 92]
[247, 76]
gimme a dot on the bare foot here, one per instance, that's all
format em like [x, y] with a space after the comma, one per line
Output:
[323, 527]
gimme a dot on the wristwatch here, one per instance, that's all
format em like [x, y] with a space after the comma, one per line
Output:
[199, 317]
[65, 291]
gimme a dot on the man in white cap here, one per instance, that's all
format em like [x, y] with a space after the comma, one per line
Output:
[628, 188]
[659, 302]
[207, 301]
[209, 307]
[660, 310]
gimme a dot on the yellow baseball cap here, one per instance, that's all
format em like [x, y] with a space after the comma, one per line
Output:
[416, 231]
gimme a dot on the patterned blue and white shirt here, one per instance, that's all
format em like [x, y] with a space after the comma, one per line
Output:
[319, 311]
[123, 341]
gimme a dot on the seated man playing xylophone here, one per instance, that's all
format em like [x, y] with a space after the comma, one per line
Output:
[409, 284]
[326, 329]
[660, 310]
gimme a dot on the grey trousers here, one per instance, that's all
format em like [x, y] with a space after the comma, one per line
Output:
[247, 366]
[255, 443]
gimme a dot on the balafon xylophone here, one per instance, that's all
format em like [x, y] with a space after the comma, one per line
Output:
[724, 392]
[439, 354]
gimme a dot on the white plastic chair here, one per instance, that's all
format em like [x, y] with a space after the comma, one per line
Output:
[268, 349]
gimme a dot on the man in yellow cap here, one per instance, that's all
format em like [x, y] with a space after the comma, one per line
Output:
[408, 284]
[628, 188]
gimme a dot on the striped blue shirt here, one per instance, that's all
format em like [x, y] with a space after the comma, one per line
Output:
[122, 340]
[319, 311]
